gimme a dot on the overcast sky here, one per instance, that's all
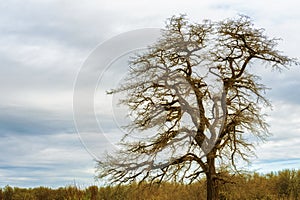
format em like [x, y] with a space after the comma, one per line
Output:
[43, 46]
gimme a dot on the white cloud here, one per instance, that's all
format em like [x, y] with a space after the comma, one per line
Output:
[282, 149]
[44, 160]
[44, 43]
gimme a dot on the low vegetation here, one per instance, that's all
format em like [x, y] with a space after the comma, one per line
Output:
[284, 185]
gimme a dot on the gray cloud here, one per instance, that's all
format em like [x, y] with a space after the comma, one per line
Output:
[42, 47]
[283, 85]
[30, 121]
[50, 160]
[33, 21]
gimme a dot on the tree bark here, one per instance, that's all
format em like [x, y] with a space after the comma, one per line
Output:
[212, 190]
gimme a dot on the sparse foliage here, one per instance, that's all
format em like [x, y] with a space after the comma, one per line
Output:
[194, 103]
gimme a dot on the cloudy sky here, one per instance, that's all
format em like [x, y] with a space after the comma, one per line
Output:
[45, 44]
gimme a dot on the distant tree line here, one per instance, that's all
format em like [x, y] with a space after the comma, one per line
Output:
[282, 185]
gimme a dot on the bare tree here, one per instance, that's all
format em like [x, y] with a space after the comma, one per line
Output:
[194, 103]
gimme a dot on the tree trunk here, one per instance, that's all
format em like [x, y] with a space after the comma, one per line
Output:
[212, 190]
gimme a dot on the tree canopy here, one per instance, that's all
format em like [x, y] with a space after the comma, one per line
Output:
[194, 102]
